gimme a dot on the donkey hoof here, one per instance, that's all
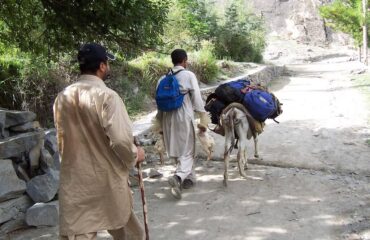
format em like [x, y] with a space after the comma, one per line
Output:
[225, 183]
[257, 157]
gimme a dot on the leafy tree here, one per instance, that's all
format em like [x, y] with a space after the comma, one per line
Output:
[189, 23]
[345, 16]
[242, 36]
[201, 22]
[49, 27]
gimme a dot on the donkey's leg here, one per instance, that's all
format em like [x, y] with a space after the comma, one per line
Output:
[256, 155]
[228, 145]
[245, 155]
[209, 155]
[161, 157]
[241, 151]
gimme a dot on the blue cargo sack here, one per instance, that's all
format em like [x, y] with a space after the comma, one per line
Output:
[168, 95]
[260, 104]
[239, 84]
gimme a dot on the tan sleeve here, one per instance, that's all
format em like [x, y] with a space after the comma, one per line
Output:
[196, 96]
[118, 128]
[56, 112]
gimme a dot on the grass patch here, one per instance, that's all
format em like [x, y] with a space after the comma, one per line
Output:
[363, 83]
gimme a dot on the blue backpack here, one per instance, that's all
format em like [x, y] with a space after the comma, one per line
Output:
[239, 84]
[261, 104]
[168, 95]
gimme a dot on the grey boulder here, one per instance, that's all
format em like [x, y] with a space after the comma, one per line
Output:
[14, 118]
[17, 222]
[43, 188]
[43, 214]
[26, 127]
[16, 145]
[51, 143]
[11, 186]
[11, 208]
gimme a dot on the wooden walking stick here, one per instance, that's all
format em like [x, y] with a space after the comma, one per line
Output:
[143, 200]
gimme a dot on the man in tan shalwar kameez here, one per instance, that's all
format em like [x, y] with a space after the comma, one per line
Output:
[178, 125]
[97, 150]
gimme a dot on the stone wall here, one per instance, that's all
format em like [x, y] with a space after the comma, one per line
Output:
[29, 172]
[262, 75]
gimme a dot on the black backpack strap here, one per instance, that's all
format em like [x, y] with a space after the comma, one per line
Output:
[170, 72]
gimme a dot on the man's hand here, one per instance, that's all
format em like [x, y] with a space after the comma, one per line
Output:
[140, 155]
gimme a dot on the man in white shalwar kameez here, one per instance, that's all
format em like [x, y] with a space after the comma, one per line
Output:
[178, 125]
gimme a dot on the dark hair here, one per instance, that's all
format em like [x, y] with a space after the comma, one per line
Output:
[178, 56]
[91, 55]
[90, 67]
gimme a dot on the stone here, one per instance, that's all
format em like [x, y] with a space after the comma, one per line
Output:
[21, 173]
[47, 161]
[134, 173]
[2, 124]
[153, 173]
[16, 145]
[6, 133]
[51, 143]
[134, 181]
[14, 118]
[146, 142]
[43, 214]
[43, 188]
[34, 157]
[11, 208]
[56, 158]
[11, 186]
[16, 223]
[27, 127]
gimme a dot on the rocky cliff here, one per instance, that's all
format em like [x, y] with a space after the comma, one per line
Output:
[295, 20]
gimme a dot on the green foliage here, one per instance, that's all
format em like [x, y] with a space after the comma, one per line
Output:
[362, 82]
[11, 63]
[135, 80]
[200, 21]
[241, 37]
[238, 34]
[35, 87]
[52, 27]
[345, 16]
[152, 66]
[189, 22]
[204, 63]
[38, 37]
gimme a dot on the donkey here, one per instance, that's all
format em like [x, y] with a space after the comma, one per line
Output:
[239, 127]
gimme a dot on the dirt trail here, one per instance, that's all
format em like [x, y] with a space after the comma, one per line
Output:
[324, 127]
[313, 181]
[324, 124]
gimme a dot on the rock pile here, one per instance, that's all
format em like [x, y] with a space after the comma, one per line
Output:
[29, 172]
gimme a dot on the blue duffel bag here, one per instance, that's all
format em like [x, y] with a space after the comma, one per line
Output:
[239, 84]
[261, 104]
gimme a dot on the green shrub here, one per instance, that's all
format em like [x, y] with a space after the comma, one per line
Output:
[135, 80]
[39, 85]
[152, 66]
[11, 62]
[241, 37]
[204, 63]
